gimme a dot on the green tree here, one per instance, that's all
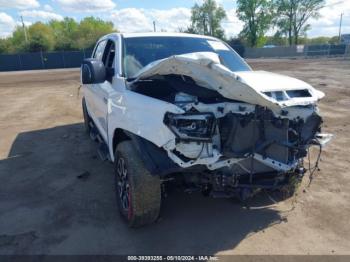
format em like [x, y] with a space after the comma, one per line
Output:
[56, 35]
[277, 39]
[89, 30]
[40, 38]
[257, 17]
[206, 19]
[64, 32]
[17, 40]
[293, 16]
[5, 45]
[284, 19]
[319, 40]
[334, 40]
[188, 30]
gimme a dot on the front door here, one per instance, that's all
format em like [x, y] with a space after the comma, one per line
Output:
[97, 94]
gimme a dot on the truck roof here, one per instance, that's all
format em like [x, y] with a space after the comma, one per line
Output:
[159, 34]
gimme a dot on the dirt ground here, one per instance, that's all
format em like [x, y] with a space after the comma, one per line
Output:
[57, 197]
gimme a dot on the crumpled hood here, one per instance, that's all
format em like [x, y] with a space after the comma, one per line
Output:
[266, 81]
[248, 86]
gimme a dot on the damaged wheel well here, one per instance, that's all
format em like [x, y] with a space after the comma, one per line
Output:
[155, 158]
[119, 136]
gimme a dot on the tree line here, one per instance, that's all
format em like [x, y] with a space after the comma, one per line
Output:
[288, 19]
[67, 34]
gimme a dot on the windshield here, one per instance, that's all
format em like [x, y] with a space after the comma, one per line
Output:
[140, 51]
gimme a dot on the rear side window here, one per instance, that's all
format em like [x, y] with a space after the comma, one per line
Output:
[100, 50]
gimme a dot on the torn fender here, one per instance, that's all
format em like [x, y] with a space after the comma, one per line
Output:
[248, 86]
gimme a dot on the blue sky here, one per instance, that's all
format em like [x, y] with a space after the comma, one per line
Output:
[138, 15]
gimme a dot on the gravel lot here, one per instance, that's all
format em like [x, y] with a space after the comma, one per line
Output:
[57, 197]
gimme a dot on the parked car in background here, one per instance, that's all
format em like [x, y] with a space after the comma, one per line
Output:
[269, 46]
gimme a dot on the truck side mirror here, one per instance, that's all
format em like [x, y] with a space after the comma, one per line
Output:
[92, 71]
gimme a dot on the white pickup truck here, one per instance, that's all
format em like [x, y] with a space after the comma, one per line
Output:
[189, 108]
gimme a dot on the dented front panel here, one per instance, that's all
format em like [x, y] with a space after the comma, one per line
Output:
[258, 121]
[249, 86]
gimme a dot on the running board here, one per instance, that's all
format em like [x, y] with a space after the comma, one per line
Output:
[93, 133]
[103, 152]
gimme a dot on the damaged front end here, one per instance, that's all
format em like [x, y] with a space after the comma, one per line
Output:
[247, 136]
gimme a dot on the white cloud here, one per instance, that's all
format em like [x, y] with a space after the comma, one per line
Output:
[41, 15]
[7, 24]
[86, 6]
[232, 25]
[131, 20]
[141, 20]
[170, 20]
[19, 4]
[48, 8]
[220, 2]
[328, 23]
[26, 23]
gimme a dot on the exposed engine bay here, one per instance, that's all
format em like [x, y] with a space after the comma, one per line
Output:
[231, 125]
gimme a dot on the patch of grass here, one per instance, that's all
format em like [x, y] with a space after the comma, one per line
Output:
[291, 188]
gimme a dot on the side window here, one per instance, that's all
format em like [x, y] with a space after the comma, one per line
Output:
[108, 59]
[100, 50]
[109, 55]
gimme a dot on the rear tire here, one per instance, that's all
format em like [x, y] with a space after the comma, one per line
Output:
[138, 192]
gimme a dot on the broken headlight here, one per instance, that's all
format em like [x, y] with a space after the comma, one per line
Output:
[191, 127]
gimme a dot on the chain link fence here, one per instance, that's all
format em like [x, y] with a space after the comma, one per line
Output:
[326, 50]
[71, 59]
[43, 60]
[306, 51]
[347, 52]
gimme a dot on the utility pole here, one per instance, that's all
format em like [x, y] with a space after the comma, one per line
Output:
[25, 31]
[154, 26]
[340, 25]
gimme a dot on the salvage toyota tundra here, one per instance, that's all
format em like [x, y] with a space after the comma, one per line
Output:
[189, 108]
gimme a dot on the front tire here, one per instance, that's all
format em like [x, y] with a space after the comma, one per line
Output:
[138, 192]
